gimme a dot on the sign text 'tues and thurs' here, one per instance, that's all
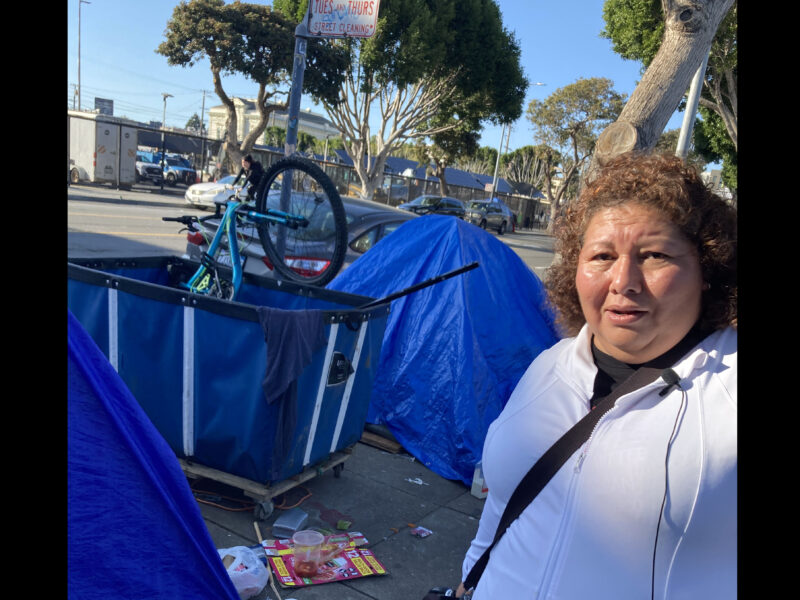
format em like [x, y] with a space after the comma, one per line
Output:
[343, 18]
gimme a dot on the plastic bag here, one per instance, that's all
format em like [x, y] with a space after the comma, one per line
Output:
[248, 573]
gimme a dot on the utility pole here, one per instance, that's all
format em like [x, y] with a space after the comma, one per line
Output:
[79, 50]
[163, 136]
[203, 137]
[497, 162]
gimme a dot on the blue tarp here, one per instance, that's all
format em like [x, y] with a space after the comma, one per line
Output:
[134, 530]
[452, 352]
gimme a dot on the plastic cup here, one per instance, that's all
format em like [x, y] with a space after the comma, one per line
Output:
[307, 550]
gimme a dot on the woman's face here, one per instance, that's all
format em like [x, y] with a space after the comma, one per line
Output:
[639, 282]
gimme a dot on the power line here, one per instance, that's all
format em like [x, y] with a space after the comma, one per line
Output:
[180, 114]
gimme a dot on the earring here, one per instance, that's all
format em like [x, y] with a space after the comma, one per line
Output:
[706, 287]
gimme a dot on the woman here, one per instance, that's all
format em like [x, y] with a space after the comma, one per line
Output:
[647, 508]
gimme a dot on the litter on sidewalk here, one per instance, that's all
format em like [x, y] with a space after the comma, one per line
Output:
[289, 522]
[343, 557]
[421, 531]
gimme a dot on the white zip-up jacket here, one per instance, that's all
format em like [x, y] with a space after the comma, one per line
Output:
[591, 532]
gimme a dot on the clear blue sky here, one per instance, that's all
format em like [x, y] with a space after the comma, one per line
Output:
[560, 43]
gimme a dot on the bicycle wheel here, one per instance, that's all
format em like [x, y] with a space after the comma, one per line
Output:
[311, 253]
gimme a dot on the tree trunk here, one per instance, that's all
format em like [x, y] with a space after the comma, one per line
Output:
[230, 144]
[439, 171]
[264, 110]
[690, 26]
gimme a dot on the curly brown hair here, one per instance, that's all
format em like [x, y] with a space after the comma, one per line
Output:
[665, 183]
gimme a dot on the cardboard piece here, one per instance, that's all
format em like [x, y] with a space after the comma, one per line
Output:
[349, 559]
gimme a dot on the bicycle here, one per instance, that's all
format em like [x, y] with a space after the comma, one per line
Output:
[300, 222]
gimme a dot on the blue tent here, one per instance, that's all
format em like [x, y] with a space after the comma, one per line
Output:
[452, 352]
[134, 529]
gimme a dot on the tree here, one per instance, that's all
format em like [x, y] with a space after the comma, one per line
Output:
[689, 28]
[456, 137]
[712, 142]
[194, 124]
[305, 142]
[497, 99]
[635, 28]
[568, 122]
[482, 160]
[334, 143]
[431, 67]
[668, 143]
[275, 136]
[255, 41]
[535, 165]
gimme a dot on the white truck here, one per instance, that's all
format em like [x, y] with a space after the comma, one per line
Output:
[102, 149]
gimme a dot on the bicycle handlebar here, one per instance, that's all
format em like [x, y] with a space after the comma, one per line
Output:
[185, 219]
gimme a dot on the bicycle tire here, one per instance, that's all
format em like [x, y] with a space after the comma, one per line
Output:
[315, 254]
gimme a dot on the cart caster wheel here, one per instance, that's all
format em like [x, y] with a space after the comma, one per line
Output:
[263, 510]
[337, 470]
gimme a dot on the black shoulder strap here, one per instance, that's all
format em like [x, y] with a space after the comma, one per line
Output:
[555, 457]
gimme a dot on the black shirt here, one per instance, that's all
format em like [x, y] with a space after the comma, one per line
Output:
[252, 176]
[611, 372]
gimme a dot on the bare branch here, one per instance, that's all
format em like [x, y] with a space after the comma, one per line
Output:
[403, 115]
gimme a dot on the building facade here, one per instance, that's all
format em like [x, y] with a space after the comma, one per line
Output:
[247, 117]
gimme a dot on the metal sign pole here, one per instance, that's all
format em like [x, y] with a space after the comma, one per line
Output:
[298, 72]
[295, 94]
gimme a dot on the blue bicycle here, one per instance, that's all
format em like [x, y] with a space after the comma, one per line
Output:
[298, 218]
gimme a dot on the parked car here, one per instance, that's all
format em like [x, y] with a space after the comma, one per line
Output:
[368, 222]
[488, 214]
[176, 171]
[204, 195]
[395, 192]
[441, 205]
[146, 169]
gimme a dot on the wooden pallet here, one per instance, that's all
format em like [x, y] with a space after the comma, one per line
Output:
[378, 441]
[261, 493]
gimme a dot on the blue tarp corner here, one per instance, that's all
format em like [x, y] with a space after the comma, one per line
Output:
[134, 530]
[453, 352]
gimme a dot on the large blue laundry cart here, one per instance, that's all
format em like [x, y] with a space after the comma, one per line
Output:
[203, 369]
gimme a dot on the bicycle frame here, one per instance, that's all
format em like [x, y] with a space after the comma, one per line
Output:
[201, 282]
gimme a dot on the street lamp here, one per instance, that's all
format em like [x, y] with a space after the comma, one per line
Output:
[497, 162]
[79, 50]
[163, 136]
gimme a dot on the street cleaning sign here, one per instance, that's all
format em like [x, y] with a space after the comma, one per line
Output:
[342, 18]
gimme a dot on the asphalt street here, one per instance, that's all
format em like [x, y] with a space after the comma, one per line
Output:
[103, 221]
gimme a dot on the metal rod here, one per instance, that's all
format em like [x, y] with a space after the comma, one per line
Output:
[421, 285]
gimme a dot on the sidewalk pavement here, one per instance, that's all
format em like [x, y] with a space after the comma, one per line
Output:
[380, 493]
